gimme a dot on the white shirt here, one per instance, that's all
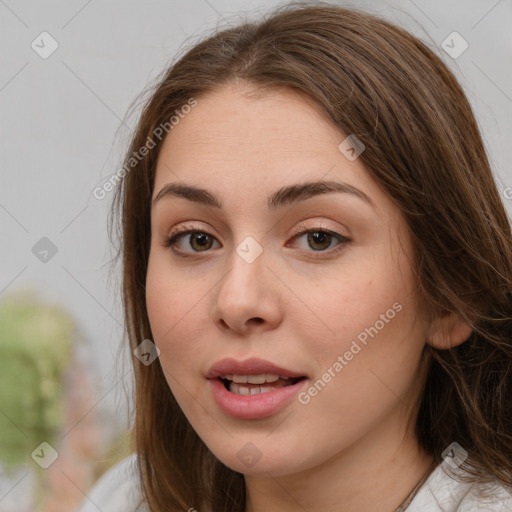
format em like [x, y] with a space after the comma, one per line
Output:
[118, 490]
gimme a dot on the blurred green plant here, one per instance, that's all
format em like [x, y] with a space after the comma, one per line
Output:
[35, 349]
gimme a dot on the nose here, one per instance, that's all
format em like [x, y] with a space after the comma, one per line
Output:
[248, 297]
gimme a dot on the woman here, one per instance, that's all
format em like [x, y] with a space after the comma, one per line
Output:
[313, 240]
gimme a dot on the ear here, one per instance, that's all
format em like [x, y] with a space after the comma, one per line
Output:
[447, 331]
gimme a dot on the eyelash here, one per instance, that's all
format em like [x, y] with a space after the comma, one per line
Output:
[180, 232]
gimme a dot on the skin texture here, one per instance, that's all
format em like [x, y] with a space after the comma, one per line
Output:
[352, 447]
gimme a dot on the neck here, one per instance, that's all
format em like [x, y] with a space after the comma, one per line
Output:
[376, 474]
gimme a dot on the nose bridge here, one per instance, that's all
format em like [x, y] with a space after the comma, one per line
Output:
[247, 269]
[244, 292]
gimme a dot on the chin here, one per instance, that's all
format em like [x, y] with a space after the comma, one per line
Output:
[251, 461]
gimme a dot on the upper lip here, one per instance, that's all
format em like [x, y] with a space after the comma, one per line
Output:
[252, 366]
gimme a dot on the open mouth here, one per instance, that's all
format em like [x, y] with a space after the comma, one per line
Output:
[256, 384]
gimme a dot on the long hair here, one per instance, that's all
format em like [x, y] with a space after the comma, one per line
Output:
[423, 147]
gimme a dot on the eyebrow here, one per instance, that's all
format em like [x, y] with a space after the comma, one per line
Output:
[284, 196]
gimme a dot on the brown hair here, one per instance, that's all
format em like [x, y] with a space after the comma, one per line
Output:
[424, 148]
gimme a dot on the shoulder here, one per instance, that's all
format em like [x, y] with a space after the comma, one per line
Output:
[442, 492]
[118, 490]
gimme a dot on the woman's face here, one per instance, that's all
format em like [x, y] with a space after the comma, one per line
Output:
[335, 308]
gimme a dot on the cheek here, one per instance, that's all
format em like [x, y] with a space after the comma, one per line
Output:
[177, 312]
[373, 342]
[368, 369]
[369, 298]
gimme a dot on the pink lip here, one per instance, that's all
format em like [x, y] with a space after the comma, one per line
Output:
[251, 406]
[252, 366]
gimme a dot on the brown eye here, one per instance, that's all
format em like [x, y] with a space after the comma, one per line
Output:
[320, 240]
[198, 241]
[201, 240]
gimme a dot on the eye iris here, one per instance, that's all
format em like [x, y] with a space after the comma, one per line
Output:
[201, 241]
[201, 238]
[319, 236]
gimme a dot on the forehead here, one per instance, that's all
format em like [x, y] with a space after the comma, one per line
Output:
[235, 134]
[226, 124]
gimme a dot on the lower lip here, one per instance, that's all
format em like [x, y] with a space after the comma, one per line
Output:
[250, 407]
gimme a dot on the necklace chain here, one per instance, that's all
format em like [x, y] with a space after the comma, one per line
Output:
[403, 506]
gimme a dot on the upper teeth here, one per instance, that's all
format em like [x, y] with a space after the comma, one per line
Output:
[254, 379]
